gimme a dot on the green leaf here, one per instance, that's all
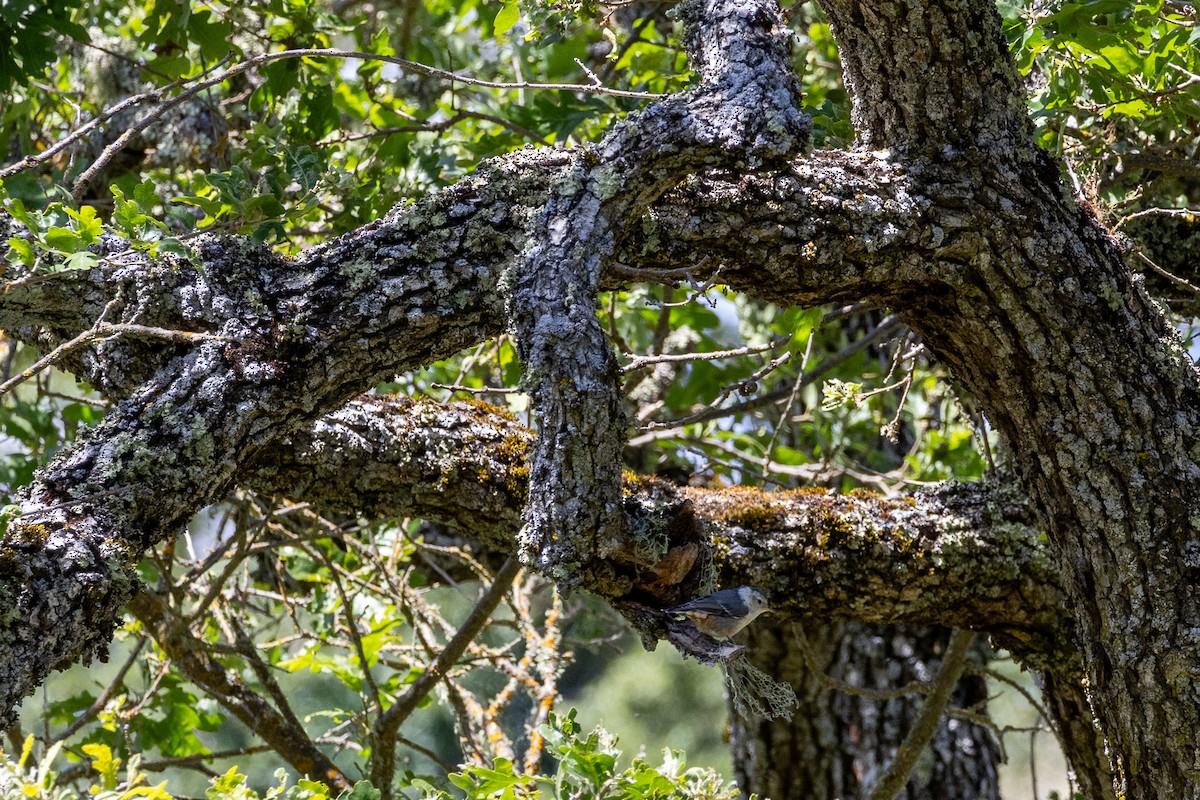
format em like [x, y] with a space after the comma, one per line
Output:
[81, 260]
[213, 37]
[363, 790]
[22, 249]
[104, 763]
[64, 240]
[89, 226]
[225, 785]
[508, 16]
[1134, 109]
[27, 38]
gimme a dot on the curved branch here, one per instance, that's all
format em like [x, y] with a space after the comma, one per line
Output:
[746, 107]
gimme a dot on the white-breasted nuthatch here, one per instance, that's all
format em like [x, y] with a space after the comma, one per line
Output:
[724, 613]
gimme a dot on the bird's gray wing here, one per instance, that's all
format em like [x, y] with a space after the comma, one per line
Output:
[719, 604]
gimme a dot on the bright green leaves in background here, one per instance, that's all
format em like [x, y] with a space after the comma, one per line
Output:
[59, 231]
[29, 37]
[299, 148]
[588, 766]
[1111, 79]
[1111, 57]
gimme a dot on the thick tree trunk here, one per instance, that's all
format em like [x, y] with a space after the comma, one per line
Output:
[1027, 299]
[840, 743]
[1091, 386]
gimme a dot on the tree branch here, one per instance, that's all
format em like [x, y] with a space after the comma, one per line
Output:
[964, 556]
[383, 733]
[283, 733]
[922, 732]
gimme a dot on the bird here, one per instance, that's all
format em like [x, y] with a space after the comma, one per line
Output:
[724, 613]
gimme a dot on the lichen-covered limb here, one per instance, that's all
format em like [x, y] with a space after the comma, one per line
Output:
[298, 338]
[964, 556]
[746, 108]
[464, 465]
[819, 229]
[829, 226]
[435, 265]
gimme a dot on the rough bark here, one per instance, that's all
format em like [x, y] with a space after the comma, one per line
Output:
[1107, 451]
[1076, 368]
[930, 78]
[746, 107]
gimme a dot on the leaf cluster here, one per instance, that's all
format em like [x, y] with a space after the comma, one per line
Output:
[1112, 83]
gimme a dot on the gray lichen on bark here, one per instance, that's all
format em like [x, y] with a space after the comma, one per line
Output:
[745, 109]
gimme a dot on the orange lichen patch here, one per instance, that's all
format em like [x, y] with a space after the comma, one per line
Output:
[514, 447]
[516, 483]
[488, 409]
[633, 483]
[741, 506]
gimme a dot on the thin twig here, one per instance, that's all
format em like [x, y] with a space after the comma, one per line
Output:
[829, 682]
[791, 401]
[725, 392]
[86, 128]
[640, 361]
[85, 178]
[1189, 215]
[885, 328]
[1168, 275]
[668, 276]
[101, 331]
[101, 701]
[425, 751]
[926, 725]
[439, 127]
[374, 702]
[478, 389]
[77, 771]
[1024, 692]
[384, 732]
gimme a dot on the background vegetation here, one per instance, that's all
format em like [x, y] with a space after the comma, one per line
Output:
[159, 121]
